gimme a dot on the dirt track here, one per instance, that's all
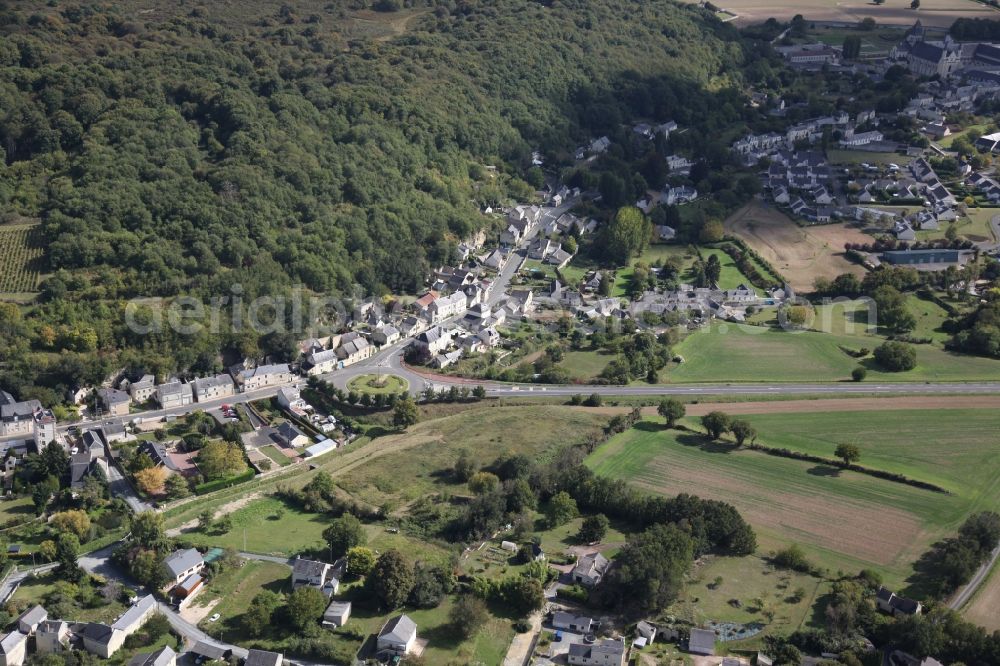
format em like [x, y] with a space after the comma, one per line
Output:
[800, 254]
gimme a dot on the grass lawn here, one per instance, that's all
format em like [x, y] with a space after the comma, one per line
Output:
[572, 275]
[946, 142]
[378, 384]
[871, 157]
[975, 227]
[534, 266]
[730, 277]
[585, 365]
[277, 456]
[270, 527]
[930, 316]
[716, 581]
[20, 508]
[757, 354]
[844, 520]
[235, 589]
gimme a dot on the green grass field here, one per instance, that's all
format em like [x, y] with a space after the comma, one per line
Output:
[951, 138]
[277, 456]
[975, 227]
[855, 157]
[844, 520]
[585, 365]
[378, 384]
[16, 508]
[729, 353]
[730, 277]
[750, 580]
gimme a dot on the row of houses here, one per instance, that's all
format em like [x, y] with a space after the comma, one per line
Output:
[54, 636]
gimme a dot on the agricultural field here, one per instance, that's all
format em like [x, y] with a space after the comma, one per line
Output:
[759, 354]
[982, 609]
[937, 13]
[800, 254]
[20, 256]
[844, 520]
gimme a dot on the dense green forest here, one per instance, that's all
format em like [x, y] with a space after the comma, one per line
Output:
[182, 147]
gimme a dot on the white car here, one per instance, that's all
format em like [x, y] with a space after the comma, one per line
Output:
[214, 618]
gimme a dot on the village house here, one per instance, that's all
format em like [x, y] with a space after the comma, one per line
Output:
[174, 394]
[263, 658]
[213, 388]
[577, 623]
[13, 649]
[165, 656]
[353, 348]
[894, 605]
[291, 436]
[113, 401]
[433, 341]
[52, 636]
[290, 398]
[312, 573]
[385, 334]
[321, 362]
[590, 570]
[143, 389]
[104, 641]
[448, 306]
[263, 376]
[397, 637]
[29, 620]
[604, 652]
[182, 563]
[158, 453]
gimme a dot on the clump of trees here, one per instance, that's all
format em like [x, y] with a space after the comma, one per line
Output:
[894, 356]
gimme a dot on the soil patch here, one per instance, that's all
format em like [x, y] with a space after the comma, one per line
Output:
[800, 254]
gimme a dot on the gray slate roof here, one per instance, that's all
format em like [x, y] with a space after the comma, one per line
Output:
[161, 657]
[400, 629]
[180, 561]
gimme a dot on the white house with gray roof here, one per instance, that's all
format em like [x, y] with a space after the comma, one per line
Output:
[174, 394]
[182, 563]
[263, 376]
[13, 649]
[397, 636]
[213, 388]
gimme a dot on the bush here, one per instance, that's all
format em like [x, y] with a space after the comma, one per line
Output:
[792, 558]
[576, 593]
[896, 356]
[859, 373]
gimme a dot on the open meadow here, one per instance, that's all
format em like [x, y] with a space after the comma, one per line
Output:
[760, 354]
[844, 520]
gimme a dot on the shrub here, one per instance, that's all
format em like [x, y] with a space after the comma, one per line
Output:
[896, 356]
[859, 373]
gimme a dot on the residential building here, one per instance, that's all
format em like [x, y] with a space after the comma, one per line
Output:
[165, 656]
[590, 569]
[211, 652]
[263, 658]
[889, 602]
[182, 563]
[100, 639]
[157, 451]
[143, 389]
[854, 140]
[213, 388]
[17, 418]
[174, 394]
[29, 620]
[315, 574]
[397, 636]
[322, 362]
[385, 335]
[290, 398]
[113, 401]
[291, 436]
[52, 636]
[354, 347]
[337, 614]
[604, 652]
[13, 649]
[577, 623]
[433, 341]
[263, 376]
[448, 306]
